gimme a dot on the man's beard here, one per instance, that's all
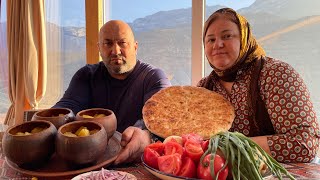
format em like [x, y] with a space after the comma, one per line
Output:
[118, 68]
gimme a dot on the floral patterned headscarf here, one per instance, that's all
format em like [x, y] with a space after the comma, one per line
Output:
[250, 50]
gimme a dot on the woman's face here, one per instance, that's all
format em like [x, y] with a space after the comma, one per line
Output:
[222, 43]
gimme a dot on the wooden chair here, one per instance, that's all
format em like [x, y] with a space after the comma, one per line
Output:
[27, 115]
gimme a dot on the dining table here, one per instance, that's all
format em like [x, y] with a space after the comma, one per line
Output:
[301, 171]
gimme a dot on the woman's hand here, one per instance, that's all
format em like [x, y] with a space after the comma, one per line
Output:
[133, 141]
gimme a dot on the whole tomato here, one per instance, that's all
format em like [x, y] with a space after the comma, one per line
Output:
[203, 170]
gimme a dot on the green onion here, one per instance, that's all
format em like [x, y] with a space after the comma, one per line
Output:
[243, 156]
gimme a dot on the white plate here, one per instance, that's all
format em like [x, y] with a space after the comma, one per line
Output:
[165, 176]
[87, 175]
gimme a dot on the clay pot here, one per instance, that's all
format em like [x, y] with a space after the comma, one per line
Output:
[29, 149]
[57, 116]
[81, 150]
[109, 121]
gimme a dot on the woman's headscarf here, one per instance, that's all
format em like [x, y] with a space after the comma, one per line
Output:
[249, 48]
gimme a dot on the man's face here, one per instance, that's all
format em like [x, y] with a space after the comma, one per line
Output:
[118, 48]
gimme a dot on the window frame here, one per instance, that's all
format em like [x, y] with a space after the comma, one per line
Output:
[94, 20]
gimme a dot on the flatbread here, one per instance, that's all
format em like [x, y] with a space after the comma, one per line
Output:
[179, 110]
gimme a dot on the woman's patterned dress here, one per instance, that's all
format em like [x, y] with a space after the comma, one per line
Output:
[288, 104]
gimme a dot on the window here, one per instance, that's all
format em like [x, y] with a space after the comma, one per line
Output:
[66, 45]
[4, 97]
[287, 31]
[163, 31]
[65, 23]
[164, 34]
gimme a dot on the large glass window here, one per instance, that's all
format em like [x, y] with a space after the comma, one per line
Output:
[65, 24]
[4, 97]
[288, 31]
[163, 31]
[66, 43]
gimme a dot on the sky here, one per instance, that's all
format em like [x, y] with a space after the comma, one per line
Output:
[72, 12]
[129, 10]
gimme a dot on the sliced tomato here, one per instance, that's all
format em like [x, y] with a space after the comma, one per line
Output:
[205, 145]
[188, 168]
[150, 157]
[193, 150]
[172, 147]
[158, 146]
[170, 164]
[193, 136]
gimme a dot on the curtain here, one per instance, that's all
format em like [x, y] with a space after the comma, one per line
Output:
[27, 55]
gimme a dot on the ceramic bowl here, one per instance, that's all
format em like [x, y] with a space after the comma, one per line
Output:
[57, 116]
[30, 143]
[108, 118]
[81, 150]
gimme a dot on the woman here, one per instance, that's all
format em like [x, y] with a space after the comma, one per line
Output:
[271, 101]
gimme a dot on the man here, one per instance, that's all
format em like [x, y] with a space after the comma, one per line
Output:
[120, 83]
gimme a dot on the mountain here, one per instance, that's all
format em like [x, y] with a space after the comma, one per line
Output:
[168, 19]
[163, 19]
[169, 48]
[73, 38]
[290, 9]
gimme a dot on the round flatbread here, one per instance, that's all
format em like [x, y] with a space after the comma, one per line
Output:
[179, 110]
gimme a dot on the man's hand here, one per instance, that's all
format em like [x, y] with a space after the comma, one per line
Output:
[133, 141]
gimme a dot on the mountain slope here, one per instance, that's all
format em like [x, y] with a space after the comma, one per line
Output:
[285, 8]
[167, 19]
